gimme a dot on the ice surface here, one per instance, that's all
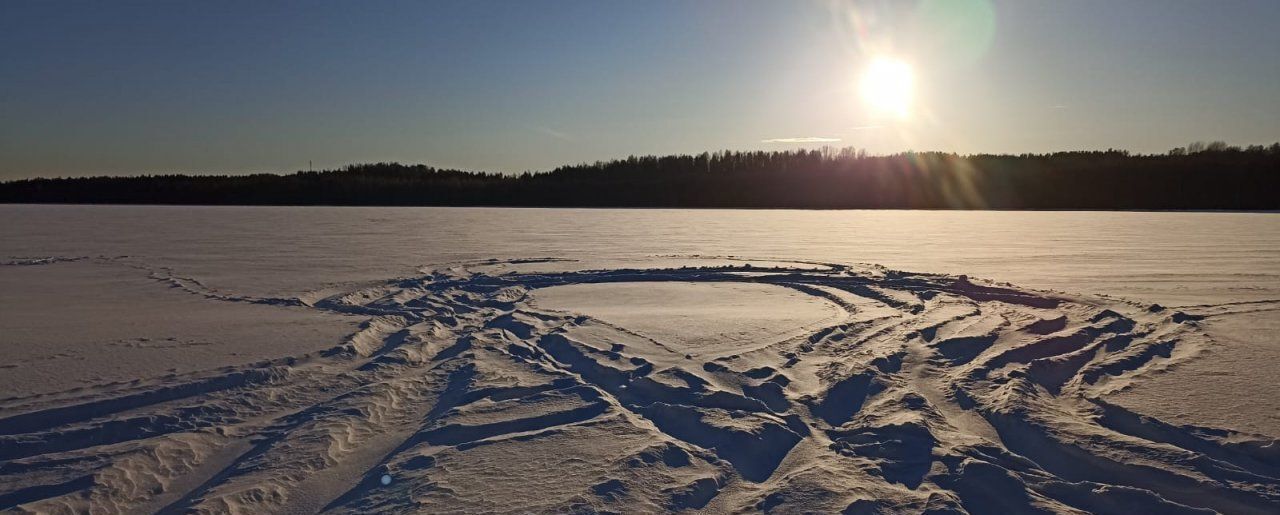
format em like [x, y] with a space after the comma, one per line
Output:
[1170, 258]
[81, 323]
[698, 318]
[288, 359]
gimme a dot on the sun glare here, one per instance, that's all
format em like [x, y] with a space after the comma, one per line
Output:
[887, 86]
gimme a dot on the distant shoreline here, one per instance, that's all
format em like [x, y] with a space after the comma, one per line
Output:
[643, 208]
[1230, 179]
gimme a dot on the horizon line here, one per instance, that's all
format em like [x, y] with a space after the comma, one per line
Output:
[1214, 146]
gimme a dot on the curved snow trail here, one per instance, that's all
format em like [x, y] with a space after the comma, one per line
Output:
[459, 394]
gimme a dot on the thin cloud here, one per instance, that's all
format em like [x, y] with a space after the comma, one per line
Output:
[1059, 106]
[811, 139]
[553, 133]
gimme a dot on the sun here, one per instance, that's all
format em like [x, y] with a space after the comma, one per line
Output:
[887, 85]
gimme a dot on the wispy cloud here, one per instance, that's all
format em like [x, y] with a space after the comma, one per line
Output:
[553, 133]
[1059, 106]
[811, 139]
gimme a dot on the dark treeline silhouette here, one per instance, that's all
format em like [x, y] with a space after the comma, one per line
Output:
[1201, 176]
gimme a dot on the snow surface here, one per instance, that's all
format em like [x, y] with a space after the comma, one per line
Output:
[165, 359]
[703, 319]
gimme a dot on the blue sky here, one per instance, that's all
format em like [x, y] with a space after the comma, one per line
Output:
[145, 87]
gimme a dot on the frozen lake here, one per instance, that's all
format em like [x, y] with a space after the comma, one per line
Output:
[213, 358]
[1170, 258]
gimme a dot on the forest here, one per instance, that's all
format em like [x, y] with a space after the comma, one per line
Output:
[1213, 176]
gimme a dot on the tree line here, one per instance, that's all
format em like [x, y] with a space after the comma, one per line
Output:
[1199, 176]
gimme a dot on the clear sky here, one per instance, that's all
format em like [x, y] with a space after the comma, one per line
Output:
[143, 87]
